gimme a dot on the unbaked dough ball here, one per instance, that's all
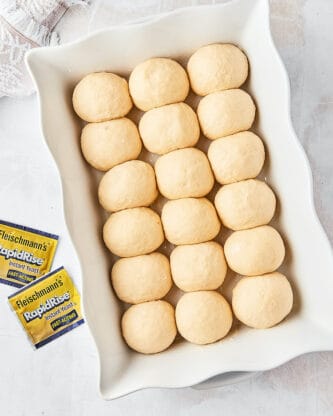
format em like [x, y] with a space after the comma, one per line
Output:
[256, 251]
[217, 67]
[245, 204]
[262, 301]
[107, 144]
[198, 266]
[157, 82]
[149, 327]
[190, 221]
[226, 112]
[168, 128]
[133, 232]
[203, 317]
[129, 185]
[142, 278]
[184, 173]
[236, 157]
[101, 96]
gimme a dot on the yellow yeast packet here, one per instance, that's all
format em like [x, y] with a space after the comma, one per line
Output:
[25, 253]
[48, 307]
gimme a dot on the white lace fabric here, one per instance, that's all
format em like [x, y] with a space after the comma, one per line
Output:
[25, 24]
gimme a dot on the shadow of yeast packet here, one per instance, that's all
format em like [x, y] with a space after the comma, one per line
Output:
[48, 307]
[25, 253]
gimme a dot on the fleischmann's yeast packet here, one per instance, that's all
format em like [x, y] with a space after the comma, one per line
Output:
[25, 253]
[48, 307]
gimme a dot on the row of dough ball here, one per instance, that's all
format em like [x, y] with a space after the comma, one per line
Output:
[201, 317]
[182, 174]
[157, 82]
[103, 96]
[176, 126]
[137, 231]
[257, 301]
[204, 317]
[111, 146]
[186, 174]
[149, 277]
[165, 129]
[261, 300]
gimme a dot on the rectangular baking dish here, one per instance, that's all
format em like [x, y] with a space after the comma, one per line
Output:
[309, 261]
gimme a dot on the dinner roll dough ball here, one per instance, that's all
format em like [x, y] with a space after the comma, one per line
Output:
[198, 266]
[203, 317]
[157, 82]
[107, 144]
[101, 96]
[190, 221]
[245, 204]
[217, 67]
[142, 278]
[226, 112]
[149, 327]
[168, 128]
[262, 301]
[184, 173]
[133, 232]
[256, 251]
[236, 157]
[129, 185]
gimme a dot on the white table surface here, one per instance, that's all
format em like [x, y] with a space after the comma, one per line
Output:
[61, 379]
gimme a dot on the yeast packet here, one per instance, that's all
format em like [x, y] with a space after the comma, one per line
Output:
[48, 307]
[25, 253]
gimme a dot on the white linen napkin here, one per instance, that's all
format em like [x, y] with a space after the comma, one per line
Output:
[25, 24]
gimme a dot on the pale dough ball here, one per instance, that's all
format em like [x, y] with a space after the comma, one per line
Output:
[107, 144]
[149, 327]
[226, 112]
[129, 185]
[190, 221]
[203, 317]
[168, 128]
[184, 173]
[256, 251]
[133, 232]
[142, 278]
[262, 301]
[236, 157]
[217, 67]
[245, 204]
[157, 82]
[198, 266]
[101, 96]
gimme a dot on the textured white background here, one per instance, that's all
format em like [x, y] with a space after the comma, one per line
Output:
[61, 379]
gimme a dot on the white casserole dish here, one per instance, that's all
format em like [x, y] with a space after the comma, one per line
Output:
[309, 261]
